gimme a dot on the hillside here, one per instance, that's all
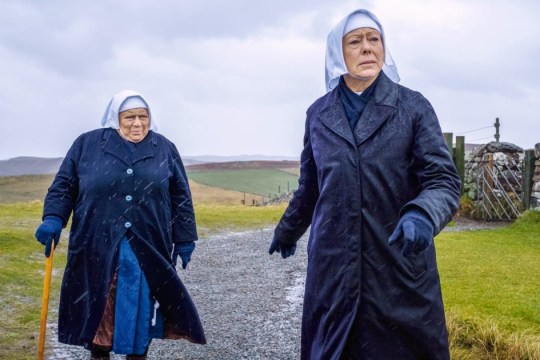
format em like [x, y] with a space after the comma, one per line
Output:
[251, 182]
[237, 165]
[26, 165]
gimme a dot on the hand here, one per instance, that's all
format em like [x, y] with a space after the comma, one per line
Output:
[49, 230]
[184, 250]
[416, 230]
[285, 250]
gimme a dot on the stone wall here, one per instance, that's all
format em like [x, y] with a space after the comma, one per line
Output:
[535, 196]
[503, 154]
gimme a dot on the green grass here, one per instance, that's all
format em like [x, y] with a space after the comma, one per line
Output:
[214, 218]
[254, 181]
[491, 281]
[24, 188]
[22, 266]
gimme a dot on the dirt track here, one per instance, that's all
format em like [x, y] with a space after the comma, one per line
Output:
[249, 302]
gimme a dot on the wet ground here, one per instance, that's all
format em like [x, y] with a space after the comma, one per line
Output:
[249, 302]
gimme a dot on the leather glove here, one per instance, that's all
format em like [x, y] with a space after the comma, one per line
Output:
[49, 230]
[184, 250]
[416, 230]
[285, 250]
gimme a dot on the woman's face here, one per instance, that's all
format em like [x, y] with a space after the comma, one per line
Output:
[134, 124]
[363, 51]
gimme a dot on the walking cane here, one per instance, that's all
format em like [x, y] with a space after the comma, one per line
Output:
[45, 303]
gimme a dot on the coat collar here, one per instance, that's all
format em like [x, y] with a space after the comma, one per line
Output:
[381, 106]
[112, 144]
[333, 116]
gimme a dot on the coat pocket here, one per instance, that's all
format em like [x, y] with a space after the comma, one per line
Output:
[418, 264]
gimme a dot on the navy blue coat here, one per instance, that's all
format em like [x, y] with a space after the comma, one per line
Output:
[113, 193]
[361, 294]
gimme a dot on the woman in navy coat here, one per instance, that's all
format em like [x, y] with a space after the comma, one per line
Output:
[133, 216]
[377, 183]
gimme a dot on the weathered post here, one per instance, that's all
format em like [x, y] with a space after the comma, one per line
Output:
[460, 159]
[488, 199]
[528, 171]
[448, 138]
[497, 125]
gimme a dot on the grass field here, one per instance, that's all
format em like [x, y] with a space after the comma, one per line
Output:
[203, 194]
[491, 288]
[252, 186]
[255, 181]
[24, 188]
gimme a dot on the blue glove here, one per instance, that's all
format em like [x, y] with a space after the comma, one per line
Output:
[49, 230]
[285, 250]
[184, 250]
[416, 230]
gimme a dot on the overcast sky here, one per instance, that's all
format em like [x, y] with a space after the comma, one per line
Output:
[236, 77]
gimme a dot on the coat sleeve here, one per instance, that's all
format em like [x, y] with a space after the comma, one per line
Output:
[62, 194]
[297, 217]
[183, 214]
[433, 167]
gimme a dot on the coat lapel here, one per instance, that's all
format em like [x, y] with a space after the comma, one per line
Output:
[112, 144]
[378, 110]
[333, 117]
[146, 149]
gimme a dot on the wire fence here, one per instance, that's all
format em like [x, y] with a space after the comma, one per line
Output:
[495, 136]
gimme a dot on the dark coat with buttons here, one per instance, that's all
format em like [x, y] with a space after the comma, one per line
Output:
[143, 195]
[363, 299]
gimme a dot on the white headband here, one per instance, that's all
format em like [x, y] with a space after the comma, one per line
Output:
[132, 100]
[360, 20]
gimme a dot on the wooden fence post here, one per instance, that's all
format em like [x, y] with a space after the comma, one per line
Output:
[528, 171]
[448, 138]
[460, 159]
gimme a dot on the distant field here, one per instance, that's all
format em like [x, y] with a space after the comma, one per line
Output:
[203, 194]
[23, 188]
[27, 188]
[221, 183]
[255, 181]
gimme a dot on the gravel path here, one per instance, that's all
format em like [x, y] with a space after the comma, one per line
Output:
[250, 303]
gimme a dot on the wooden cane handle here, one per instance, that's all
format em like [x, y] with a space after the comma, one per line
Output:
[45, 303]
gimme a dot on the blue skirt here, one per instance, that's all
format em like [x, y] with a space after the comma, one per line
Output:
[137, 318]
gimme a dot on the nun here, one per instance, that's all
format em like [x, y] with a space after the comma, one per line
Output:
[126, 190]
[377, 184]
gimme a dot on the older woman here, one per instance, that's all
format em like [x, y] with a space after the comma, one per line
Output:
[377, 183]
[132, 217]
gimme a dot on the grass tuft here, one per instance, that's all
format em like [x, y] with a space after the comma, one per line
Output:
[476, 341]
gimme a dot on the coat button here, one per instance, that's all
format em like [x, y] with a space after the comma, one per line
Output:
[129, 171]
[129, 198]
[127, 224]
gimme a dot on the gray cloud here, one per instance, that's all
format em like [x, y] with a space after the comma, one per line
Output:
[236, 77]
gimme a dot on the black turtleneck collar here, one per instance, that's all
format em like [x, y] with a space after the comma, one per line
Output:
[353, 103]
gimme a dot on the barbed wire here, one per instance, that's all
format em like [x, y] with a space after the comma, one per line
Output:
[470, 131]
[487, 137]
